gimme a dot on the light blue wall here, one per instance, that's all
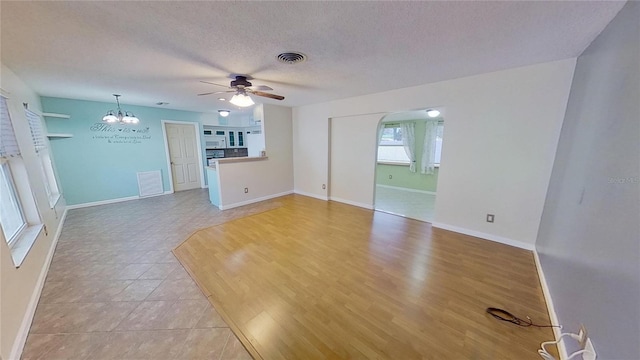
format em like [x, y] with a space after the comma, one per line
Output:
[589, 238]
[95, 165]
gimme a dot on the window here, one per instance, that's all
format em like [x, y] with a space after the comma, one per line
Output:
[44, 157]
[391, 148]
[12, 218]
[439, 133]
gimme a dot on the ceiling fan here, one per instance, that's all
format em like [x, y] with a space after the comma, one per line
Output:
[242, 87]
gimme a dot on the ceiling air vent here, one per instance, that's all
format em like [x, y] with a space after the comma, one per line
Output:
[291, 57]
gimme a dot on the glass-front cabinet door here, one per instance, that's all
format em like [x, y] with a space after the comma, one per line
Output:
[232, 139]
[240, 139]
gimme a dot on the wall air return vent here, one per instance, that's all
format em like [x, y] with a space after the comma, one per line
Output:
[150, 183]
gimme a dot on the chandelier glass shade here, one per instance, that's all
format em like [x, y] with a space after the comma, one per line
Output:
[241, 99]
[119, 116]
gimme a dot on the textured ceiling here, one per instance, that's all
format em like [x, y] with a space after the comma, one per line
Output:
[152, 51]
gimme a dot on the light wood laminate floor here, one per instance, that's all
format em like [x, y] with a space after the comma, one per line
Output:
[323, 280]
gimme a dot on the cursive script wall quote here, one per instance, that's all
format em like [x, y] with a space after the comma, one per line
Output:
[114, 134]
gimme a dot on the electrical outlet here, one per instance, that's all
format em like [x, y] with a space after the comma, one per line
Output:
[324, 186]
[246, 190]
[490, 218]
[583, 335]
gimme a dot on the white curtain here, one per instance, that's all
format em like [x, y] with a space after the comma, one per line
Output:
[380, 131]
[409, 142]
[427, 165]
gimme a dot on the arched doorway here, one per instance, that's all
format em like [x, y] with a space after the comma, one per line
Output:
[408, 163]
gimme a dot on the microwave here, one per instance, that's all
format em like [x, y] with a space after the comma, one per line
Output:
[215, 142]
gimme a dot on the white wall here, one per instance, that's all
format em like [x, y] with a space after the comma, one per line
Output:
[353, 159]
[264, 178]
[311, 151]
[235, 119]
[499, 145]
[20, 287]
[589, 239]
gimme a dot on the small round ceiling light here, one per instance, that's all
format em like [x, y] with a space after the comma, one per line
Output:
[224, 113]
[222, 99]
[433, 113]
[291, 57]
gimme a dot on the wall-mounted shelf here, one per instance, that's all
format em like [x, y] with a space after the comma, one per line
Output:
[59, 136]
[54, 115]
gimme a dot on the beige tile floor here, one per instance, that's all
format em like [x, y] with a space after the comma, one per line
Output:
[410, 204]
[115, 291]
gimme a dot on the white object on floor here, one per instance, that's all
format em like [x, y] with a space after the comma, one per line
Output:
[588, 353]
[150, 183]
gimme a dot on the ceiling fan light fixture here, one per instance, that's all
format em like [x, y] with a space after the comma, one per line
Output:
[433, 113]
[224, 113]
[241, 100]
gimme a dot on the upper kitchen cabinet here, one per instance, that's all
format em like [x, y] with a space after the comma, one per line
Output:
[236, 119]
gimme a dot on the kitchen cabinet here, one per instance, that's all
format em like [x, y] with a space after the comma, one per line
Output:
[241, 139]
[217, 137]
[236, 138]
[231, 135]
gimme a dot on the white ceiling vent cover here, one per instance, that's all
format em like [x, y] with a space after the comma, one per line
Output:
[291, 57]
[150, 183]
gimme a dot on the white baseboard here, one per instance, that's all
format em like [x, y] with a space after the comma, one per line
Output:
[113, 201]
[499, 239]
[251, 201]
[319, 197]
[553, 317]
[407, 189]
[23, 332]
[349, 202]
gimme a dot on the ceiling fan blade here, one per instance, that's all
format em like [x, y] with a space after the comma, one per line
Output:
[217, 92]
[260, 88]
[207, 82]
[264, 94]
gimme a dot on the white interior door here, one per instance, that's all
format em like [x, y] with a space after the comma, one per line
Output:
[183, 154]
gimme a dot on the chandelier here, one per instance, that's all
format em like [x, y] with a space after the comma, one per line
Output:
[121, 117]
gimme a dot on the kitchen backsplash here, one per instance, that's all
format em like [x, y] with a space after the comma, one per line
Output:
[235, 152]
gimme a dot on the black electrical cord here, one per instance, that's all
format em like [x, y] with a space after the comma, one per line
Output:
[504, 315]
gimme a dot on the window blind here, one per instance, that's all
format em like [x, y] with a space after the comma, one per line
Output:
[37, 133]
[8, 143]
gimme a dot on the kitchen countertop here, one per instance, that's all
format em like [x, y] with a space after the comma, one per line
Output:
[240, 159]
